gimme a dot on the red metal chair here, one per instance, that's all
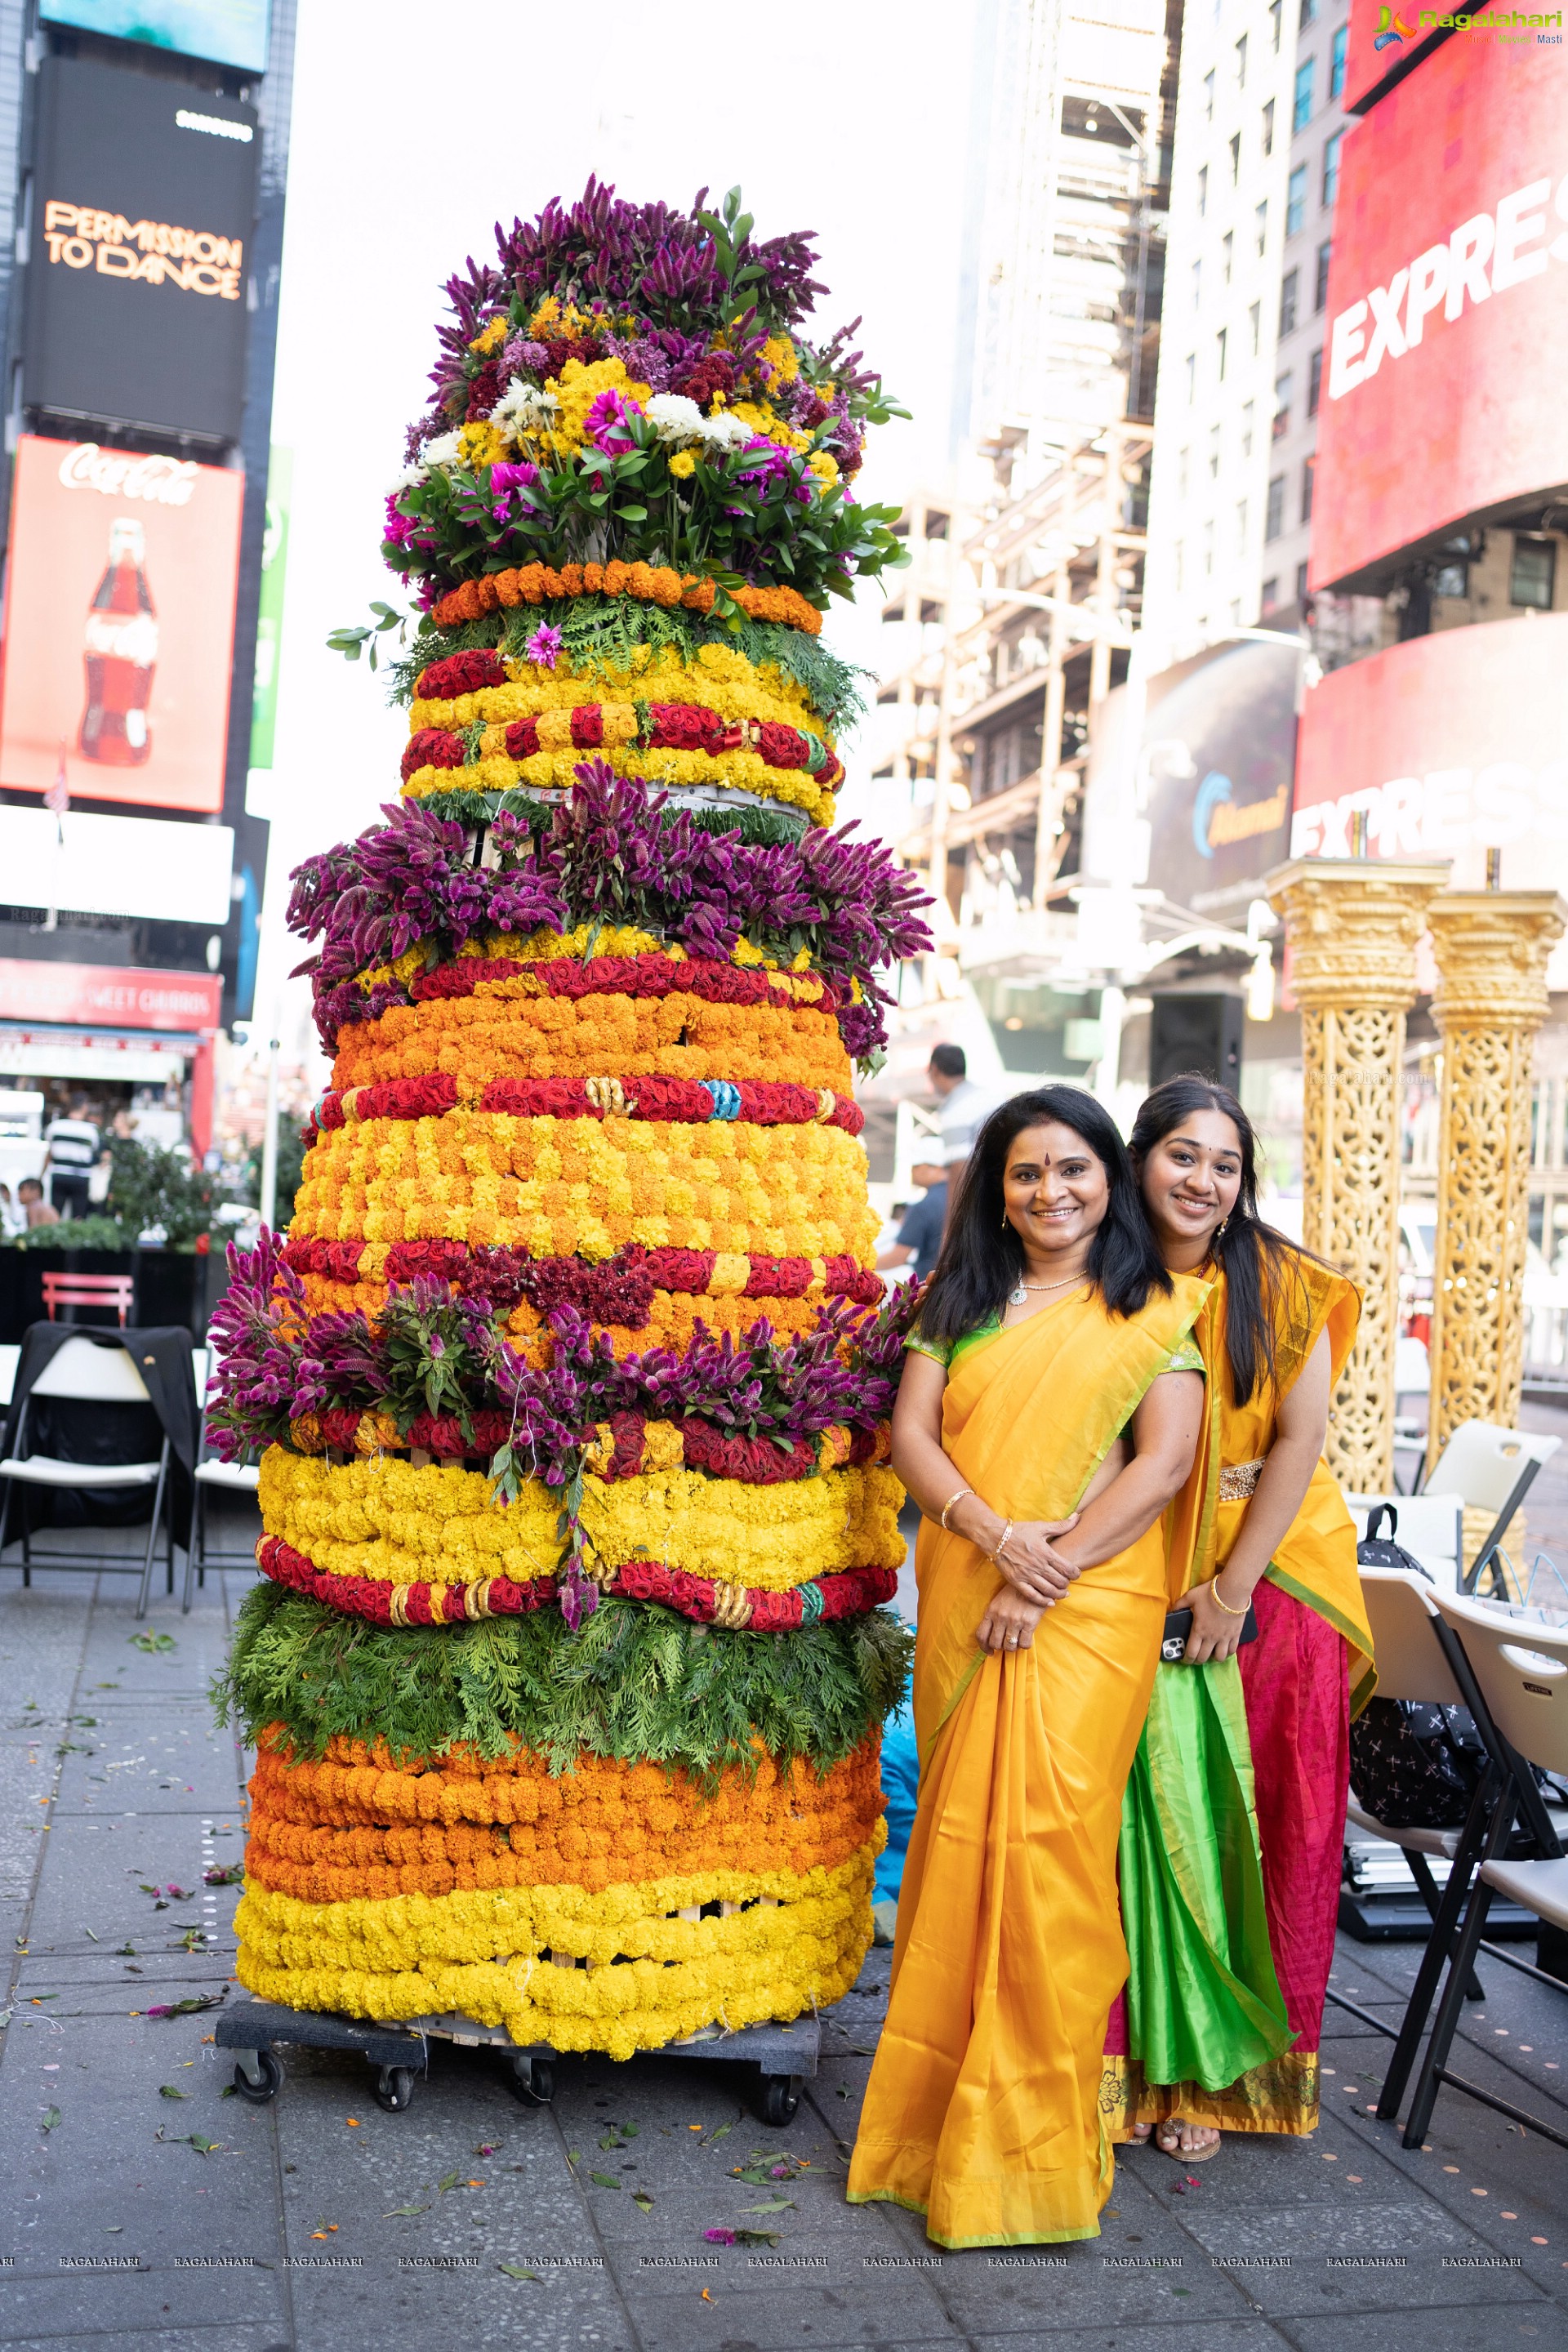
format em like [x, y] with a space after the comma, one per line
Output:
[109, 1290]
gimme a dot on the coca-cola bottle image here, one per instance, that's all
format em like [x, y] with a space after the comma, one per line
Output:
[121, 647]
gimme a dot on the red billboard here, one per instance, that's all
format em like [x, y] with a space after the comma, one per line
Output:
[118, 624]
[1447, 339]
[108, 996]
[1451, 744]
[1384, 41]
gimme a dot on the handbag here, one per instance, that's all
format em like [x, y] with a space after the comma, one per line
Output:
[1179, 1624]
[1414, 1764]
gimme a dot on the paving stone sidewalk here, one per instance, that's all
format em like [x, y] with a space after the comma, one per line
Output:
[140, 2207]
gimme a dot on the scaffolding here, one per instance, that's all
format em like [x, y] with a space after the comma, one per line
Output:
[1018, 611]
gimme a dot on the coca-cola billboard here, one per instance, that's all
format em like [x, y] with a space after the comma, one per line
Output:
[1448, 311]
[119, 626]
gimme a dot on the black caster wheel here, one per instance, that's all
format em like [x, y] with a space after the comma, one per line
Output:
[532, 2082]
[264, 2088]
[395, 2089]
[780, 2099]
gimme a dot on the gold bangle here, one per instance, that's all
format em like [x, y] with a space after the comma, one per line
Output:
[1001, 1544]
[1214, 1589]
[949, 1504]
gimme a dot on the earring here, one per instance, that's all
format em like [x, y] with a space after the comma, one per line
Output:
[1003, 1220]
[1219, 1230]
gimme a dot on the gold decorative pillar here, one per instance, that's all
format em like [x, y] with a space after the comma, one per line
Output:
[1352, 925]
[1491, 948]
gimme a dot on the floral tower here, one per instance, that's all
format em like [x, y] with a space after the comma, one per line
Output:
[569, 1382]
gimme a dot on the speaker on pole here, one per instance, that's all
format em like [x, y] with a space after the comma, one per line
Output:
[1195, 1032]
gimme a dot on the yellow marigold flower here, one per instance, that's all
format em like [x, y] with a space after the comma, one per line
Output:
[682, 464]
[823, 464]
[768, 422]
[780, 353]
[577, 387]
[481, 444]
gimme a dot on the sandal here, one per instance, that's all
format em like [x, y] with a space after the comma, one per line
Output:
[1168, 2140]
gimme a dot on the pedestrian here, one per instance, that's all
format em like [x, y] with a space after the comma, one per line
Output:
[922, 1227]
[1230, 1956]
[962, 1102]
[71, 1147]
[1050, 1411]
[35, 1209]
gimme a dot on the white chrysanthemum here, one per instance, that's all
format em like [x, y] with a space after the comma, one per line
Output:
[408, 479]
[443, 451]
[674, 417]
[725, 432]
[523, 407]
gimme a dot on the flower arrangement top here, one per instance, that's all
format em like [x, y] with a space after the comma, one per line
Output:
[628, 384]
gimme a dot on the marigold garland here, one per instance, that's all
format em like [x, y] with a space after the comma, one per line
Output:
[477, 1036]
[582, 1187]
[626, 1970]
[702, 1598]
[389, 1522]
[482, 689]
[332, 1833]
[536, 582]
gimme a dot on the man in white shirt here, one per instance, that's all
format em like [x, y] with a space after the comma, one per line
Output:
[963, 1104]
[72, 1146]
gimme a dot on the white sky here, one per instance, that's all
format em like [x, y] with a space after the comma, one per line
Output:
[411, 140]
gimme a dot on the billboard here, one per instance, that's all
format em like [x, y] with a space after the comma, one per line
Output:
[1447, 342]
[1214, 762]
[144, 197]
[229, 32]
[98, 996]
[1384, 42]
[1452, 744]
[119, 626]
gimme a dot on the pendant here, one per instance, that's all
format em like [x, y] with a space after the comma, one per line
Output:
[1019, 1297]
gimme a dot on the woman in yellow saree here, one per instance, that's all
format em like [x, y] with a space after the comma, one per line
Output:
[1234, 1820]
[1051, 1413]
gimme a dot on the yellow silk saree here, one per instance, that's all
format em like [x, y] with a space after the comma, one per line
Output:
[982, 2109]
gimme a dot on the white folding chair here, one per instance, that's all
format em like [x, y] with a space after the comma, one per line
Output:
[10, 1357]
[212, 1477]
[84, 1371]
[1430, 1527]
[1488, 1468]
[1415, 1662]
[1518, 1669]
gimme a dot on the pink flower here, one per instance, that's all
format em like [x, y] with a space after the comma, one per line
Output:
[607, 427]
[506, 478]
[543, 647]
[719, 2237]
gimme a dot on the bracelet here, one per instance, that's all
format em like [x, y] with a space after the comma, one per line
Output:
[1214, 1594]
[950, 1501]
[1001, 1544]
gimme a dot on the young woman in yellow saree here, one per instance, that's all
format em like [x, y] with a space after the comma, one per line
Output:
[1051, 1409]
[1234, 1820]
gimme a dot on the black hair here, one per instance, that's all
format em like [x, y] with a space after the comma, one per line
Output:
[949, 1061]
[982, 1256]
[1259, 1265]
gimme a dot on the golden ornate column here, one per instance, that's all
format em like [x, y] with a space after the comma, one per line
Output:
[1352, 925]
[1491, 948]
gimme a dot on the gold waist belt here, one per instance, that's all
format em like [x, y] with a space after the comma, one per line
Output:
[1239, 1480]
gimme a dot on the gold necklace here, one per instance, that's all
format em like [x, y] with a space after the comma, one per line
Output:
[1016, 1297]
